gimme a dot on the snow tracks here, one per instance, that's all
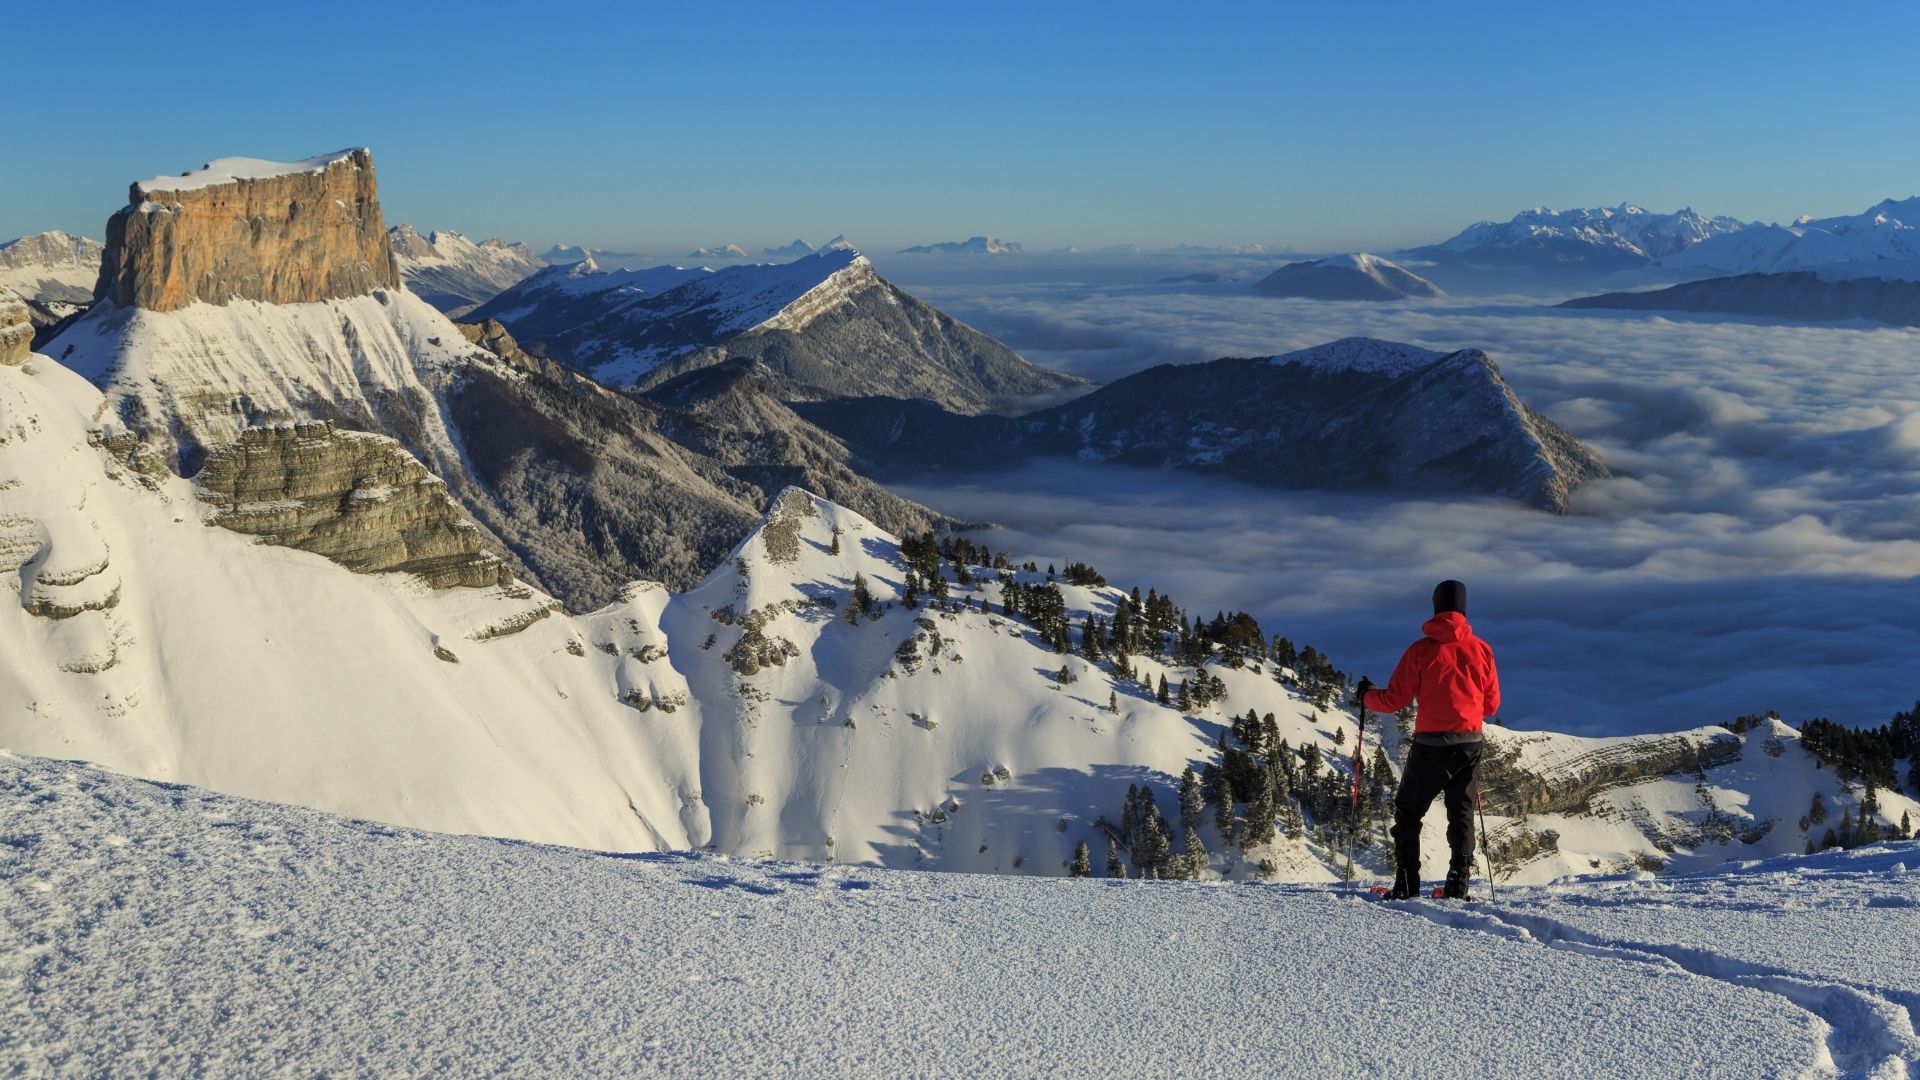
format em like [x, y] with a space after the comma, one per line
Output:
[1868, 1029]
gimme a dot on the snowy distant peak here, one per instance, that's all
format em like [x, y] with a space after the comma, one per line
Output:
[1369, 355]
[51, 249]
[565, 253]
[1627, 229]
[977, 245]
[720, 251]
[789, 251]
[1883, 240]
[228, 170]
[838, 243]
[1353, 276]
[455, 274]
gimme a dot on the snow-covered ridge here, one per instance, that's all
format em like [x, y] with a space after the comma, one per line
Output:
[1370, 355]
[1626, 228]
[230, 169]
[1883, 240]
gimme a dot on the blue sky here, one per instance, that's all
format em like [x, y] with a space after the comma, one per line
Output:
[661, 126]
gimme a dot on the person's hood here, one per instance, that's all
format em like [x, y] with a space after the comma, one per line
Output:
[1447, 626]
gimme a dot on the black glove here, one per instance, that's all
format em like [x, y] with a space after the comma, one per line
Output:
[1360, 691]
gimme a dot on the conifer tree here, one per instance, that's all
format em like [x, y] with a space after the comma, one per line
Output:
[1222, 798]
[1829, 840]
[1082, 861]
[1115, 868]
[1196, 856]
[835, 549]
[1113, 702]
[1817, 813]
[1259, 827]
[1193, 807]
[1906, 826]
[1161, 695]
[1186, 698]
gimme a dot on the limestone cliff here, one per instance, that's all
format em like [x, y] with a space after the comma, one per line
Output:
[282, 233]
[357, 498]
[16, 329]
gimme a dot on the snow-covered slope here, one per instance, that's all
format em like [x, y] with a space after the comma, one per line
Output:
[760, 713]
[162, 930]
[1356, 276]
[1600, 238]
[826, 323]
[1882, 241]
[455, 274]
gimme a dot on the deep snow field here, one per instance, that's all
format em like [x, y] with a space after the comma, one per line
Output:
[154, 929]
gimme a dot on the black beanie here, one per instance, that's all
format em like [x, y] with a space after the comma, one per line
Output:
[1450, 595]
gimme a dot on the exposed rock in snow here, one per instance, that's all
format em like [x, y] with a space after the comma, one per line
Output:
[825, 325]
[357, 498]
[455, 274]
[246, 229]
[1358, 276]
[16, 329]
[1803, 296]
[977, 245]
[1351, 414]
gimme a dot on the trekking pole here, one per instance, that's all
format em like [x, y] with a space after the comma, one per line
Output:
[1353, 816]
[1479, 806]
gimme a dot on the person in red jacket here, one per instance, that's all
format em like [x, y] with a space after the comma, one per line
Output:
[1450, 674]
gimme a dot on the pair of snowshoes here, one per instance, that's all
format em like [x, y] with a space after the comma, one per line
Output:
[1407, 888]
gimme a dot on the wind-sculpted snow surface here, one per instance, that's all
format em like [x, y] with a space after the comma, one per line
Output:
[157, 929]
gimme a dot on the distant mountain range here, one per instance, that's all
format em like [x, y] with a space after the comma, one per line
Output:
[455, 274]
[1595, 239]
[978, 245]
[52, 273]
[1358, 276]
[1881, 241]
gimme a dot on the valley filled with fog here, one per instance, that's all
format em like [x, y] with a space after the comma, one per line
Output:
[1756, 548]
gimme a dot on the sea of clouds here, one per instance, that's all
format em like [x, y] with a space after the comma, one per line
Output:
[1760, 547]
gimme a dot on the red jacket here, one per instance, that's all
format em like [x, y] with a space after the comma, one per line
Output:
[1450, 672]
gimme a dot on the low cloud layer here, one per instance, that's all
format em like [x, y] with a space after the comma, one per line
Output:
[1760, 548]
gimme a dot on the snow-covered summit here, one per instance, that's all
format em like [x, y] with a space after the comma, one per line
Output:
[229, 169]
[1352, 276]
[1364, 354]
[455, 274]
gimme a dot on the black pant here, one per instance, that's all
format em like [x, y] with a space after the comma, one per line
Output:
[1430, 771]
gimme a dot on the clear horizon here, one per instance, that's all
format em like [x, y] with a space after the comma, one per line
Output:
[665, 129]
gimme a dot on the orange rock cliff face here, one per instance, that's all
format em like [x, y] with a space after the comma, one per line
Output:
[294, 238]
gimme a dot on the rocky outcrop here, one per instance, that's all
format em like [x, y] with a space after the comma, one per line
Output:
[280, 233]
[1541, 773]
[357, 498]
[16, 329]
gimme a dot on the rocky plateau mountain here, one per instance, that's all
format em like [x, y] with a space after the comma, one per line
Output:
[571, 486]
